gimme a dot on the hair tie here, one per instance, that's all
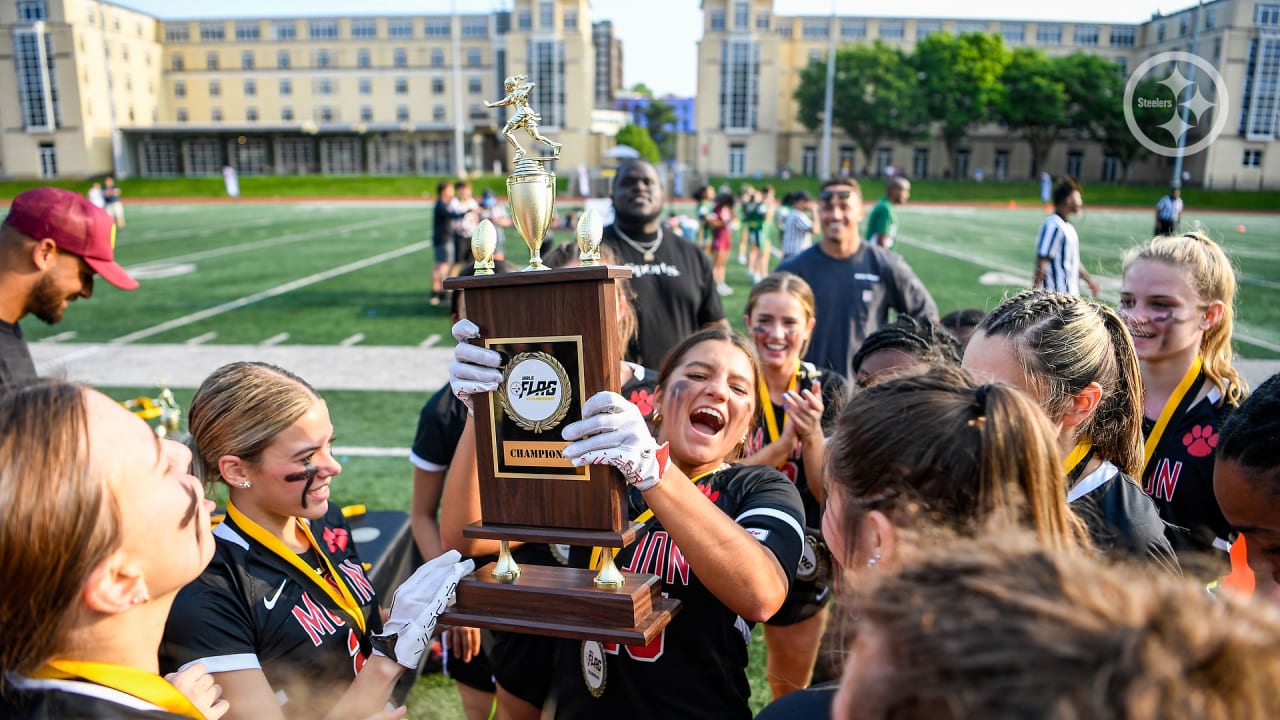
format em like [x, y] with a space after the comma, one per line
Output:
[980, 399]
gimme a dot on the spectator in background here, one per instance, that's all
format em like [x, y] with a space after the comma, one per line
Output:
[721, 223]
[882, 225]
[466, 213]
[492, 210]
[231, 180]
[111, 196]
[797, 225]
[1058, 265]
[761, 230]
[1169, 212]
[95, 196]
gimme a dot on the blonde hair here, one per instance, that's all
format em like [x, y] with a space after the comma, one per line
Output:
[60, 519]
[240, 409]
[784, 282]
[1212, 277]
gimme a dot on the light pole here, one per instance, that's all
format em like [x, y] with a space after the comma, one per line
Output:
[459, 152]
[1186, 110]
[828, 100]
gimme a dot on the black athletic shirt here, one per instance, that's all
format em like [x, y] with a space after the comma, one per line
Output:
[1123, 522]
[16, 366]
[439, 427]
[40, 699]
[1180, 475]
[675, 294]
[252, 609]
[696, 667]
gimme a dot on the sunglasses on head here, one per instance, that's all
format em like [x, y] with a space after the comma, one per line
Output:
[827, 196]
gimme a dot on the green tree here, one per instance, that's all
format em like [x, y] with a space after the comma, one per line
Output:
[1033, 102]
[638, 138]
[876, 97]
[958, 79]
[642, 90]
[661, 119]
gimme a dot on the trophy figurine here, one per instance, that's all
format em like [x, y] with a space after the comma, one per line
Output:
[531, 190]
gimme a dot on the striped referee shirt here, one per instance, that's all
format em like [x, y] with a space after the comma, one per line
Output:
[1168, 209]
[1059, 244]
[796, 231]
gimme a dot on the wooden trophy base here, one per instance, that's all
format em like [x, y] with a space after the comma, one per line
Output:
[564, 603]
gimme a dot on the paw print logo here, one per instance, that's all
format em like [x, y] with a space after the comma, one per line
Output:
[336, 539]
[643, 400]
[1201, 441]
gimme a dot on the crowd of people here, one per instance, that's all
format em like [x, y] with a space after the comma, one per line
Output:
[1021, 512]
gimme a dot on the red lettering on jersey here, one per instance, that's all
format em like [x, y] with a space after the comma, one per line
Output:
[677, 566]
[314, 619]
[650, 652]
[791, 470]
[357, 580]
[712, 495]
[1163, 481]
[336, 538]
[353, 648]
[336, 618]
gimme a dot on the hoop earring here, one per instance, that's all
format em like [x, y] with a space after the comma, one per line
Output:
[657, 416]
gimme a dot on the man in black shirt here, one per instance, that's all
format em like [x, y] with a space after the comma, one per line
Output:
[51, 245]
[671, 277]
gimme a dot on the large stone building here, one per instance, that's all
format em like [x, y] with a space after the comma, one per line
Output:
[96, 86]
[749, 62]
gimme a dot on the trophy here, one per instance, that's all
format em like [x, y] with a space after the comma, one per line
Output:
[555, 329]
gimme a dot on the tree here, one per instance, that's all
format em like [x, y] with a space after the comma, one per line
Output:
[1033, 102]
[876, 98]
[959, 82]
[642, 90]
[1113, 131]
[638, 138]
[661, 120]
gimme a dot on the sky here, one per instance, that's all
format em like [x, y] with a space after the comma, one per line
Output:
[659, 37]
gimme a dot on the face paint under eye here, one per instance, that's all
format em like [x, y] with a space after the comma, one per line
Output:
[308, 474]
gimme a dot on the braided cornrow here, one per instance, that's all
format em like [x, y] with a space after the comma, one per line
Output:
[1251, 435]
[918, 338]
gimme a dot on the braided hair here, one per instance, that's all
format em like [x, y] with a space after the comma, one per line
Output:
[921, 339]
[1251, 435]
[1064, 343]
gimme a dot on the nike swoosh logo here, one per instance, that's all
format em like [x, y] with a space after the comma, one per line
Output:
[271, 602]
[823, 595]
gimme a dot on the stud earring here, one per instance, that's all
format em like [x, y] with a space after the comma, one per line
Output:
[139, 599]
[245, 485]
[873, 560]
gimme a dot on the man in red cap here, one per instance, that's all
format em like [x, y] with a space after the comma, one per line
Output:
[51, 245]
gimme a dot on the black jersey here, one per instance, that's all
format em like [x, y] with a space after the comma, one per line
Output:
[42, 699]
[1180, 475]
[439, 427]
[251, 608]
[696, 667]
[1123, 522]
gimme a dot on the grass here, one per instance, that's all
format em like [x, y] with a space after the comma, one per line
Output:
[199, 256]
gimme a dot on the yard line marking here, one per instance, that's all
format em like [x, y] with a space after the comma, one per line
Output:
[201, 339]
[261, 244]
[67, 335]
[162, 235]
[275, 340]
[363, 451]
[353, 340]
[431, 340]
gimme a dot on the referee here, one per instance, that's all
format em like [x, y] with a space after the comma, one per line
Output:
[1169, 212]
[1058, 265]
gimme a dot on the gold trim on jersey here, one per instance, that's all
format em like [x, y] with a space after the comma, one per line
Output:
[1166, 414]
[766, 408]
[141, 684]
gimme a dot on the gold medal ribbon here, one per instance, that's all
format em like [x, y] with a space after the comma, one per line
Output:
[1166, 414]
[340, 595]
[141, 684]
[1077, 456]
[766, 405]
[643, 518]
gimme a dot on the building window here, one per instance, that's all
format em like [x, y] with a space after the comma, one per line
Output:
[321, 59]
[176, 63]
[212, 32]
[365, 86]
[286, 87]
[1122, 62]
[892, 29]
[717, 20]
[366, 113]
[369, 29]
[402, 86]
[325, 114]
[1001, 165]
[1253, 158]
[1048, 34]
[251, 114]
[1210, 18]
[182, 115]
[286, 114]
[33, 11]
[437, 113]
[478, 27]
[1182, 26]
[159, 157]
[762, 21]
[809, 161]
[741, 21]
[324, 86]
[1123, 36]
[546, 71]
[1013, 33]
[1086, 35]
[546, 14]
[362, 58]
[920, 162]
[246, 60]
[814, 28]
[402, 113]
[48, 160]
[284, 31]
[524, 20]
[884, 158]
[176, 33]
[570, 19]
[250, 88]
[473, 57]
[400, 57]
[215, 88]
[215, 114]
[1262, 77]
[399, 29]
[739, 84]
[962, 163]
[1075, 163]
[322, 29]
[437, 57]
[251, 156]
[974, 26]
[37, 81]
[179, 89]
[438, 28]
[1110, 168]
[1160, 30]
[436, 156]
[248, 31]
[1266, 14]
[737, 159]
[437, 86]
[925, 28]
[211, 61]
[282, 59]
[475, 86]
[852, 29]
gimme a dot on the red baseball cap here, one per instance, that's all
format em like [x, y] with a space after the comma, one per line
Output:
[75, 224]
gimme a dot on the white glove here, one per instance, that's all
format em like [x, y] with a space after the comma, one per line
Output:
[474, 369]
[613, 432]
[416, 605]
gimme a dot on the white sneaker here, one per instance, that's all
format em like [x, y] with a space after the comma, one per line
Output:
[724, 289]
[742, 259]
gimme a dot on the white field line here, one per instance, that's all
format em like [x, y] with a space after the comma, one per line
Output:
[205, 229]
[275, 340]
[431, 340]
[363, 451]
[201, 339]
[251, 299]
[67, 335]
[270, 242]
[970, 256]
[353, 340]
